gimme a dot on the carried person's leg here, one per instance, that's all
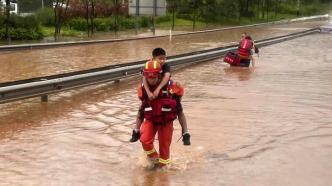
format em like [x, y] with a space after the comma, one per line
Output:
[185, 133]
[183, 122]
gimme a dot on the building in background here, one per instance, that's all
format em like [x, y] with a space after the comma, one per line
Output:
[13, 6]
[147, 7]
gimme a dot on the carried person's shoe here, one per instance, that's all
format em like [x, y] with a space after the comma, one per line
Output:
[135, 136]
[186, 138]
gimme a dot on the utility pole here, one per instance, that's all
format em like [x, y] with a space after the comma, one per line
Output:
[298, 7]
[154, 14]
[7, 20]
[136, 17]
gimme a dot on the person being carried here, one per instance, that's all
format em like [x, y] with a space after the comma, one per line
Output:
[158, 114]
[159, 55]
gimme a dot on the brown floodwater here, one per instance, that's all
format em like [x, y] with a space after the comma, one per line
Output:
[268, 125]
[26, 64]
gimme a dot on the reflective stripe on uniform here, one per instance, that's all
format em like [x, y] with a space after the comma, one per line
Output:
[245, 44]
[166, 109]
[148, 109]
[164, 161]
[154, 64]
[148, 152]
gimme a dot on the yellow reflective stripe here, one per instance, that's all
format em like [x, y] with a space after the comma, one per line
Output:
[147, 65]
[154, 64]
[148, 152]
[164, 161]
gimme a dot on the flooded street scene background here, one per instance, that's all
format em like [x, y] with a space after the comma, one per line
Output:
[267, 125]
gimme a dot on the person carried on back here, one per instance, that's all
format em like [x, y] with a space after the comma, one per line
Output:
[159, 55]
[157, 114]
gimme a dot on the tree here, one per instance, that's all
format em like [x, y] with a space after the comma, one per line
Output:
[276, 8]
[173, 6]
[116, 14]
[60, 13]
[195, 5]
[298, 7]
[7, 19]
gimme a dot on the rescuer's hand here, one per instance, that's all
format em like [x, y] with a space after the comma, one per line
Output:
[135, 136]
[256, 50]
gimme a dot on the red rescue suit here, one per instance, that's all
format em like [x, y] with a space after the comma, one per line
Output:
[159, 115]
[244, 50]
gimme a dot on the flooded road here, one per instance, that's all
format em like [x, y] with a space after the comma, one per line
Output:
[26, 64]
[270, 125]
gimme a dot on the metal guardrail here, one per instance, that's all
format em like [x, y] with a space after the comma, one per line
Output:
[72, 43]
[43, 86]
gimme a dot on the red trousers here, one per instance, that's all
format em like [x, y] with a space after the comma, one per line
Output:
[148, 132]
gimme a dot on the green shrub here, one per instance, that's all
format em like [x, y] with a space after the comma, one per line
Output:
[184, 16]
[2, 20]
[45, 16]
[160, 19]
[2, 34]
[130, 22]
[78, 24]
[144, 21]
[24, 22]
[22, 28]
[22, 34]
[103, 24]
[286, 9]
[127, 23]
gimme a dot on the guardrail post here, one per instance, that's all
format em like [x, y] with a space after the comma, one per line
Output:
[44, 98]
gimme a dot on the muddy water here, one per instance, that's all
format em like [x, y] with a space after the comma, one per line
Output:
[35, 63]
[270, 125]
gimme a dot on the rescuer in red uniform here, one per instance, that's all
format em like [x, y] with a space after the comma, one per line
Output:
[159, 114]
[245, 52]
[159, 55]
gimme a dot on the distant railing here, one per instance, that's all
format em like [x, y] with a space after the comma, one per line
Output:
[43, 86]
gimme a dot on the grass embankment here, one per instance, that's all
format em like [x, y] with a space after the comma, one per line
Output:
[65, 31]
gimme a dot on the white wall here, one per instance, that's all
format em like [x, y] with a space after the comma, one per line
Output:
[15, 11]
[146, 7]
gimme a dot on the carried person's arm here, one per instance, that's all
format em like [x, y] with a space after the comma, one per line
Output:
[147, 89]
[163, 82]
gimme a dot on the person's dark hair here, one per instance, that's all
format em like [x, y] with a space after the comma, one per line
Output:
[158, 51]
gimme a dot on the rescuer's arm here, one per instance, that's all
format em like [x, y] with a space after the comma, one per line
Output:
[256, 50]
[139, 119]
